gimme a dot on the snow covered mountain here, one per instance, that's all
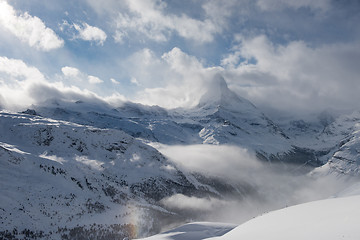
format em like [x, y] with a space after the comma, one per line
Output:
[342, 138]
[66, 180]
[221, 117]
[227, 118]
[77, 169]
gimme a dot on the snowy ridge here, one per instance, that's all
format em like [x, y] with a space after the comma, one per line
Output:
[221, 117]
[345, 161]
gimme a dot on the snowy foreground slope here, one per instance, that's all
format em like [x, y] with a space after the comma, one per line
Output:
[330, 219]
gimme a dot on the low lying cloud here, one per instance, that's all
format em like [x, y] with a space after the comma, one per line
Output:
[273, 186]
[228, 162]
[29, 29]
[182, 202]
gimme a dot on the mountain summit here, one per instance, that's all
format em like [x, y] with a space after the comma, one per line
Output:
[219, 95]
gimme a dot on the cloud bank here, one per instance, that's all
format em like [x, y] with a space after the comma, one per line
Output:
[293, 77]
[22, 85]
[273, 186]
[313, 78]
[222, 161]
[182, 202]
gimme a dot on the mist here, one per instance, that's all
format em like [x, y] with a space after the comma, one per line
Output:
[274, 186]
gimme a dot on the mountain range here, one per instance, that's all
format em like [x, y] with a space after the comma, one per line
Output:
[86, 170]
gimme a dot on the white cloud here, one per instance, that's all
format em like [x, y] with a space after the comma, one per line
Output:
[262, 186]
[29, 29]
[175, 79]
[90, 33]
[149, 18]
[70, 71]
[115, 99]
[114, 81]
[148, 69]
[119, 36]
[15, 78]
[220, 11]
[313, 78]
[292, 77]
[73, 73]
[22, 85]
[134, 81]
[94, 80]
[15, 68]
[182, 202]
[236, 163]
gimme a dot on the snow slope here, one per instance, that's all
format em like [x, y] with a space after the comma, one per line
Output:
[60, 178]
[330, 219]
[64, 179]
[194, 231]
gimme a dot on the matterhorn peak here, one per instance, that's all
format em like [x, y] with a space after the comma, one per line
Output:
[219, 94]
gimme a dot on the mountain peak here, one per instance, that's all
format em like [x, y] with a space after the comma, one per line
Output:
[219, 94]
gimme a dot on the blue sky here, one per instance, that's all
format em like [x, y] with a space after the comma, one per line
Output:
[284, 55]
